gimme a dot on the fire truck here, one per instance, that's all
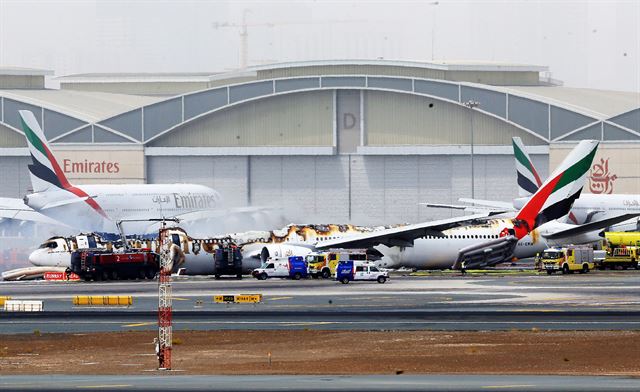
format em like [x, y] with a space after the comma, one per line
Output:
[101, 264]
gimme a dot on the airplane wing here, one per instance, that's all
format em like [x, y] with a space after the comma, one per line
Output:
[403, 236]
[16, 209]
[468, 208]
[489, 203]
[591, 226]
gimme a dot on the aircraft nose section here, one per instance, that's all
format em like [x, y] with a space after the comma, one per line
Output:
[35, 257]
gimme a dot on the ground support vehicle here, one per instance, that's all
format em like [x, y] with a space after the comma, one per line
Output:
[568, 259]
[622, 257]
[227, 260]
[292, 268]
[354, 270]
[617, 239]
[101, 264]
[323, 264]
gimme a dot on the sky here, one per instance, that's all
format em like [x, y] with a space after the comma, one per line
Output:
[586, 44]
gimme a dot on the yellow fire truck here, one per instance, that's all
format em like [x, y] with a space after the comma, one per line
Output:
[568, 259]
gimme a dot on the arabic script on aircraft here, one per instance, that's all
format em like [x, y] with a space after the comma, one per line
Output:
[600, 180]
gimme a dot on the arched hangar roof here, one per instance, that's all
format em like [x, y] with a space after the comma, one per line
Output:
[535, 110]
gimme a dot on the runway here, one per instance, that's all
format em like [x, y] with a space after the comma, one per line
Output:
[155, 382]
[576, 302]
[369, 319]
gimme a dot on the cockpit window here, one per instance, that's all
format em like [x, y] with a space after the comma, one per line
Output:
[49, 245]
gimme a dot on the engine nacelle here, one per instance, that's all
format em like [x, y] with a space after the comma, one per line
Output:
[282, 250]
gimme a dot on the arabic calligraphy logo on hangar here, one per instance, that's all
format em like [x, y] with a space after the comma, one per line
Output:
[600, 180]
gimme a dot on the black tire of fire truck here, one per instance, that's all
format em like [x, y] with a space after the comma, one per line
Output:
[381, 279]
[114, 275]
[345, 280]
[149, 273]
[565, 269]
[637, 263]
[297, 276]
[585, 268]
[217, 276]
[549, 272]
[263, 276]
[239, 276]
[326, 274]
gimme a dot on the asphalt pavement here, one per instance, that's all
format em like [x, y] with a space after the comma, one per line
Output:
[157, 381]
[608, 301]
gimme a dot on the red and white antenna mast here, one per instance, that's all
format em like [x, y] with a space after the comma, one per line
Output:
[164, 301]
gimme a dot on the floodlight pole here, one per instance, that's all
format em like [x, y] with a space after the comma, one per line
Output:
[433, 27]
[471, 105]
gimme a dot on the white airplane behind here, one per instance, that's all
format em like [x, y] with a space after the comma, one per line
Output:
[534, 227]
[446, 243]
[587, 208]
[97, 207]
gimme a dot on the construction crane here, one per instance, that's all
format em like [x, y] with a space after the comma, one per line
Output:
[244, 31]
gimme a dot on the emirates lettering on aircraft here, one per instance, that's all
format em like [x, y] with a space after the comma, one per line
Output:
[194, 200]
[88, 166]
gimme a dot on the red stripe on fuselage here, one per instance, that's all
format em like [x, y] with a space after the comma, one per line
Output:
[67, 186]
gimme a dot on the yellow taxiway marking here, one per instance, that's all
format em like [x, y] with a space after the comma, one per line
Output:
[180, 299]
[278, 298]
[139, 324]
[507, 386]
[103, 386]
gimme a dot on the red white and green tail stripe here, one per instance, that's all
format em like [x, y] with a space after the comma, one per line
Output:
[48, 174]
[528, 178]
[556, 195]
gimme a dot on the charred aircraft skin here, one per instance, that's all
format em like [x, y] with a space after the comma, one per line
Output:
[299, 240]
[295, 239]
[256, 246]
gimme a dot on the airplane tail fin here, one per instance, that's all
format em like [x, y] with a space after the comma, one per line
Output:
[45, 172]
[556, 195]
[528, 178]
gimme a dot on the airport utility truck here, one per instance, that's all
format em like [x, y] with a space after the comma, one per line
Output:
[354, 270]
[323, 264]
[623, 257]
[568, 259]
[617, 239]
[293, 267]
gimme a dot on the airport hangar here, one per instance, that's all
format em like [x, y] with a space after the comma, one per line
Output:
[332, 141]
